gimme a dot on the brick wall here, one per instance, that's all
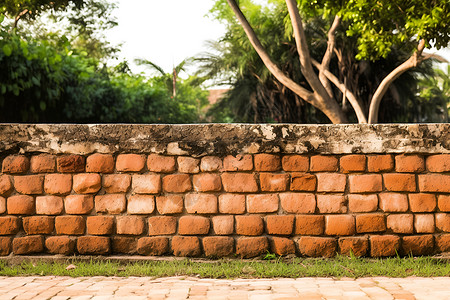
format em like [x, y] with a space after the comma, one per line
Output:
[225, 190]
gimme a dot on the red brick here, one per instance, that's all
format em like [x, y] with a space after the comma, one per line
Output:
[124, 245]
[223, 225]
[422, 202]
[188, 164]
[370, 223]
[418, 245]
[400, 182]
[9, 225]
[438, 163]
[87, 183]
[317, 246]
[267, 162]
[177, 183]
[162, 225]
[131, 225]
[49, 205]
[444, 203]
[43, 163]
[331, 182]
[303, 182]
[160, 163]
[280, 225]
[380, 163]
[321, 163]
[393, 202]
[28, 244]
[282, 246]
[186, 246]
[309, 225]
[443, 243]
[170, 204]
[365, 183]
[116, 183]
[60, 245]
[262, 203]
[146, 184]
[239, 183]
[238, 163]
[2, 205]
[358, 246]
[443, 222]
[130, 162]
[5, 246]
[211, 164]
[207, 182]
[248, 247]
[339, 225]
[58, 184]
[424, 223]
[273, 182]
[400, 223]
[328, 204]
[384, 245]
[249, 225]
[434, 183]
[295, 163]
[100, 225]
[353, 163]
[38, 225]
[15, 164]
[193, 225]
[79, 204]
[231, 204]
[70, 164]
[110, 203]
[100, 163]
[20, 205]
[29, 185]
[153, 245]
[362, 203]
[218, 246]
[97, 245]
[70, 225]
[409, 163]
[141, 204]
[6, 186]
[200, 203]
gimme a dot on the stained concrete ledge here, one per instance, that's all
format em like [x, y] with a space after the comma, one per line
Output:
[221, 139]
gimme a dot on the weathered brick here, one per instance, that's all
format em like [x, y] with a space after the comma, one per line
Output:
[393, 202]
[43, 163]
[238, 163]
[248, 247]
[124, 245]
[100, 225]
[29, 185]
[400, 223]
[130, 162]
[339, 225]
[370, 223]
[38, 225]
[211, 164]
[186, 246]
[110, 203]
[279, 224]
[141, 204]
[6, 186]
[97, 245]
[444, 203]
[153, 245]
[249, 225]
[324, 163]
[78, 204]
[116, 183]
[418, 245]
[358, 246]
[87, 183]
[2, 205]
[100, 163]
[207, 182]
[5, 245]
[298, 203]
[443, 222]
[409, 163]
[28, 244]
[331, 182]
[188, 164]
[438, 163]
[424, 223]
[9, 225]
[353, 163]
[362, 203]
[422, 202]
[443, 243]
[170, 204]
[384, 245]
[160, 163]
[282, 246]
[60, 245]
[317, 246]
[70, 225]
[131, 225]
[70, 163]
[146, 184]
[267, 162]
[439, 183]
[239, 183]
[162, 225]
[58, 184]
[368, 183]
[15, 164]
[262, 203]
[328, 204]
[295, 163]
[303, 182]
[177, 183]
[380, 163]
[400, 182]
[223, 225]
[218, 246]
[200, 203]
[231, 204]
[273, 182]
[309, 225]
[20, 205]
[193, 225]
[49, 205]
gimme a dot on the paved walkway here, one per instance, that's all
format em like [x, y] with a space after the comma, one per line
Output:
[97, 288]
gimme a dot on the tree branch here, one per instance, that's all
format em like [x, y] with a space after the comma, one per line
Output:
[328, 54]
[19, 16]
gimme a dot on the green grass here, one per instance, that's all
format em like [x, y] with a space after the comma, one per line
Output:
[297, 267]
